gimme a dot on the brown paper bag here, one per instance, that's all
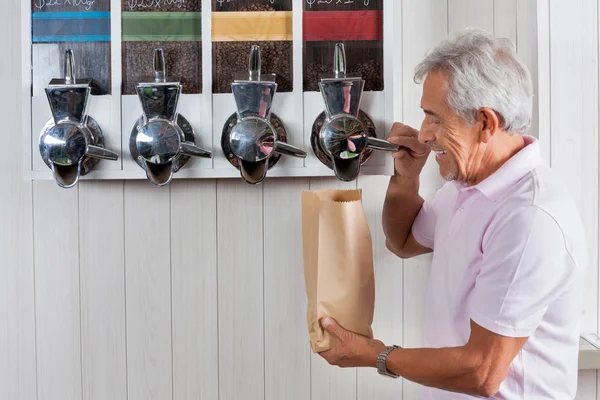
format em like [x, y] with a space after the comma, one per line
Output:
[338, 264]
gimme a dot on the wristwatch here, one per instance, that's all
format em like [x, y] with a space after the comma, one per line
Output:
[381, 368]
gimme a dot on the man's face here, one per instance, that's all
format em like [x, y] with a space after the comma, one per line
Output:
[453, 142]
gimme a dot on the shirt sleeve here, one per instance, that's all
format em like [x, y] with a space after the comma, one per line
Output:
[423, 227]
[525, 267]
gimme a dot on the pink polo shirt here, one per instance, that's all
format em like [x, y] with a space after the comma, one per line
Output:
[509, 254]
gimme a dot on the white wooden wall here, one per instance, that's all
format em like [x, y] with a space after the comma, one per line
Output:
[119, 290]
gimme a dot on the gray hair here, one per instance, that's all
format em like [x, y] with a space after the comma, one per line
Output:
[484, 72]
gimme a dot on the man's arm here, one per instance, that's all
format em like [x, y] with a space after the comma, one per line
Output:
[402, 201]
[477, 368]
[401, 206]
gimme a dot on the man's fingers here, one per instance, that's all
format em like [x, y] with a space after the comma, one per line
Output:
[328, 356]
[399, 129]
[408, 142]
[331, 326]
[400, 154]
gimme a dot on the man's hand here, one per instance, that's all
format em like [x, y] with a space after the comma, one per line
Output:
[351, 350]
[411, 158]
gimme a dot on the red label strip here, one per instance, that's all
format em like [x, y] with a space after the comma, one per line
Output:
[342, 25]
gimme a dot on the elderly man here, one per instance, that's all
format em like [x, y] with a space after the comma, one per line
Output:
[505, 289]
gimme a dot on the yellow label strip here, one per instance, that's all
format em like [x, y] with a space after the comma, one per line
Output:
[244, 26]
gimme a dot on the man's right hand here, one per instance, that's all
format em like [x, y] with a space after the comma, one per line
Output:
[412, 156]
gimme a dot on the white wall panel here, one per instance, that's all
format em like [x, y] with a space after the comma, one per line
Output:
[470, 13]
[102, 274]
[57, 301]
[526, 41]
[148, 291]
[505, 19]
[574, 121]
[387, 320]
[574, 129]
[287, 349]
[194, 290]
[241, 274]
[17, 317]
[586, 385]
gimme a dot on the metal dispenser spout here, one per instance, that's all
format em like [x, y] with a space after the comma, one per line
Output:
[71, 143]
[254, 138]
[343, 136]
[162, 140]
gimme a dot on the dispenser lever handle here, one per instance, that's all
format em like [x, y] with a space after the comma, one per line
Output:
[381, 144]
[287, 149]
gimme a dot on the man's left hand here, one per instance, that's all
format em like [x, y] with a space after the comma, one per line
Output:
[350, 349]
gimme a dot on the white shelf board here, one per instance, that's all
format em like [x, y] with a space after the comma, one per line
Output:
[208, 173]
[589, 354]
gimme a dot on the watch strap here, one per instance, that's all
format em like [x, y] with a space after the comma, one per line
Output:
[381, 360]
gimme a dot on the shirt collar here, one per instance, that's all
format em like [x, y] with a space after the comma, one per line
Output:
[515, 168]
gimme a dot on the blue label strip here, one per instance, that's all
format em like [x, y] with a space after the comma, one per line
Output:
[84, 26]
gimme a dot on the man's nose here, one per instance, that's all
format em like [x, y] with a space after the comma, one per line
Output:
[425, 135]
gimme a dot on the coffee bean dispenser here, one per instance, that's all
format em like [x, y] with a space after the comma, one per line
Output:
[254, 138]
[71, 143]
[162, 140]
[175, 27]
[358, 24]
[211, 89]
[343, 136]
[239, 24]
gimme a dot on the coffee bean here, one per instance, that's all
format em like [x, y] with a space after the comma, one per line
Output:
[183, 63]
[183, 59]
[370, 71]
[312, 75]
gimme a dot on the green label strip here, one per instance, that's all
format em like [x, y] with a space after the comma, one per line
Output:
[161, 26]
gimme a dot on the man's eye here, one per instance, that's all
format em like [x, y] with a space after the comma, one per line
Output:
[432, 119]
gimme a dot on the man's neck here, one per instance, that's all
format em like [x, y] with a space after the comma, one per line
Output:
[496, 152]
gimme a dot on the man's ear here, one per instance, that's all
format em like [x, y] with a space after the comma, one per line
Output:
[488, 122]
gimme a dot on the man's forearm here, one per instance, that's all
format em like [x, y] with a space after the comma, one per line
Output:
[453, 369]
[401, 206]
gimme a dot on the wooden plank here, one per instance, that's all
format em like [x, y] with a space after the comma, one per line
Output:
[240, 276]
[387, 321]
[470, 13]
[527, 50]
[388, 317]
[101, 244]
[58, 324]
[586, 385]
[17, 308]
[505, 19]
[148, 291]
[543, 76]
[589, 355]
[286, 331]
[194, 275]
[328, 382]
[574, 124]
[425, 24]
